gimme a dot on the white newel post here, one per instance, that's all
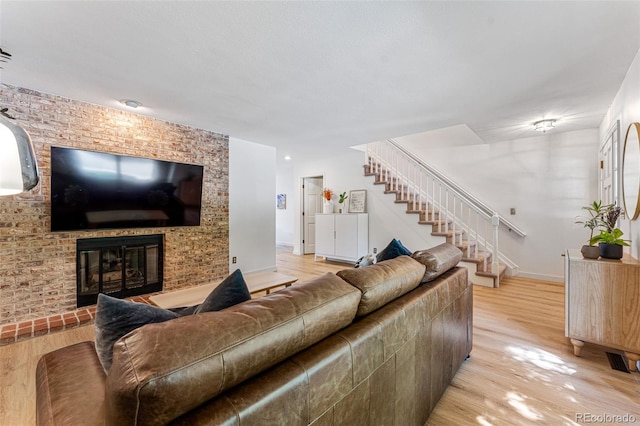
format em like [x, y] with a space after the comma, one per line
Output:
[495, 264]
[367, 160]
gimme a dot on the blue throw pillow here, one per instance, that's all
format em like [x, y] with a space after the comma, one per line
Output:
[393, 250]
[231, 291]
[117, 317]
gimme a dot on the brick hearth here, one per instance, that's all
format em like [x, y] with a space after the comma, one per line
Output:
[16, 332]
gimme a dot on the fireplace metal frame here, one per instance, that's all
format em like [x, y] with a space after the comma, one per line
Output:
[118, 243]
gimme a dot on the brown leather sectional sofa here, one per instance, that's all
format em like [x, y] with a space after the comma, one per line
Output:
[374, 348]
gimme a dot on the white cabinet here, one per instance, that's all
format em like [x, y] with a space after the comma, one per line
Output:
[342, 236]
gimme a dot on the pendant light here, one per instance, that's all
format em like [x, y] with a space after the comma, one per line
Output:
[18, 165]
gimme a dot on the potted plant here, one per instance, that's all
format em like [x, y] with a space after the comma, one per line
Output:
[610, 237]
[595, 211]
[341, 199]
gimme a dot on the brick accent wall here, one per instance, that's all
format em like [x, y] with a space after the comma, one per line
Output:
[37, 266]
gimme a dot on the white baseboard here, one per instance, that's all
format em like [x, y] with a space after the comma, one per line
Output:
[254, 271]
[283, 244]
[542, 277]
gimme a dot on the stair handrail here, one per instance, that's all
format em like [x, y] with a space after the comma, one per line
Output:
[473, 201]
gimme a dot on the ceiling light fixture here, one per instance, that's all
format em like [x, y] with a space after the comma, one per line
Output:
[287, 157]
[130, 103]
[18, 165]
[544, 125]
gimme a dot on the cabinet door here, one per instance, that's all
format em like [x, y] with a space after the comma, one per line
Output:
[325, 234]
[346, 235]
[603, 303]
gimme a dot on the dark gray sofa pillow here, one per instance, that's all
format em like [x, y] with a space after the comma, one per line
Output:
[117, 317]
[394, 249]
[231, 291]
[438, 260]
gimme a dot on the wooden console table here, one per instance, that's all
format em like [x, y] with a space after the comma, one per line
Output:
[602, 303]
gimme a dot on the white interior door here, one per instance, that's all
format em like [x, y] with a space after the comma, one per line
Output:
[609, 167]
[312, 204]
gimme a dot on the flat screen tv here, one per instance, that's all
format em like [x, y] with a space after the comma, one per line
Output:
[96, 190]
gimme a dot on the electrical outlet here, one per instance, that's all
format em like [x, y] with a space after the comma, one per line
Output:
[234, 259]
[375, 250]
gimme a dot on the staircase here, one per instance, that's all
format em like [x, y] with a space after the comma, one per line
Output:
[449, 211]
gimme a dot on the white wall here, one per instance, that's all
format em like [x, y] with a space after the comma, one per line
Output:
[626, 108]
[285, 217]
[252, 200]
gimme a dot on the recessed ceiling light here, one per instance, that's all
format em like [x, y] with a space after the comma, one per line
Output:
[544, 125]
[287, 157]
[130, 103]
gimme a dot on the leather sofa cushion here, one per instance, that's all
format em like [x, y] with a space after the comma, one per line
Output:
[438, 260]
[161, 371]
[383, 282]
[70, 387]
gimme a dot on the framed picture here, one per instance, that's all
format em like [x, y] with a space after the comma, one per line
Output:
[358, 201]
[281, 201]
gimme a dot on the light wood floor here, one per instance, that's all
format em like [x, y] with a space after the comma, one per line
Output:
[521, 372]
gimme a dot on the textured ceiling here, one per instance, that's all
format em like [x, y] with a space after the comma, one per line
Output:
[307, 77]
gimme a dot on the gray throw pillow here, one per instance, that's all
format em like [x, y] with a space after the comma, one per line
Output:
[231, 291]
[117, 317]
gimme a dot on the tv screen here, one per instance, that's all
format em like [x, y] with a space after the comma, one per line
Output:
[95, 190]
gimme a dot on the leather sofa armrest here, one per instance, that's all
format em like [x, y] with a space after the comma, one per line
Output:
[70, 387]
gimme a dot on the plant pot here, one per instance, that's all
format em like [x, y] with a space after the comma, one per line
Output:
[610, 251]
[590, 252]
[327, 207]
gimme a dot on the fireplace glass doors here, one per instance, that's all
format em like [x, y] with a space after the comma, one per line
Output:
[118, 266]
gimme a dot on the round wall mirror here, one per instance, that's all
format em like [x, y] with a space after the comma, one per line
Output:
[631, 171]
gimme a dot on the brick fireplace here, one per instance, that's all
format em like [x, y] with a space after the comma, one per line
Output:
[38, 274]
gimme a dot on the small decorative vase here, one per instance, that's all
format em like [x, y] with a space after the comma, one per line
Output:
[343, 208]
[610, 251]
[327, 207]
[590, 252]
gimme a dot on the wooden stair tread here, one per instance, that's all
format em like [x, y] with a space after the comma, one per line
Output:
[446, 234]
[501, 271]
[480, 258]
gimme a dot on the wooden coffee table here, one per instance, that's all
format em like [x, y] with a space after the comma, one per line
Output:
[267, 281]
[256, 282]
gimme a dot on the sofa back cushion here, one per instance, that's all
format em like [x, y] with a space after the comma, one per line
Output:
[438, 260]
[161, 371]
[383, 282]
